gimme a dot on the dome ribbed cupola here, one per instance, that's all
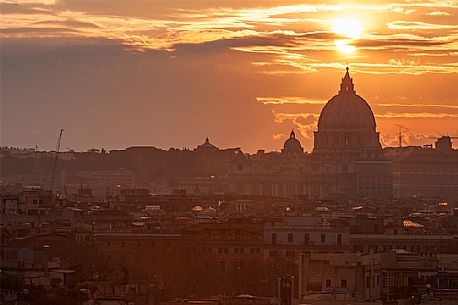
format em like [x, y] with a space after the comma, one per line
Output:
[346, 109]
[346, 123]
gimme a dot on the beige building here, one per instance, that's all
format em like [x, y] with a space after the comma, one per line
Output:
[388, 276]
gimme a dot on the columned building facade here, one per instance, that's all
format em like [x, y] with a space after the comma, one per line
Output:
[348, 143]
[346, 161]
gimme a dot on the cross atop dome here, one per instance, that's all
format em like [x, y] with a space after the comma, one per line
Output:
[292, 135]
[347, 83]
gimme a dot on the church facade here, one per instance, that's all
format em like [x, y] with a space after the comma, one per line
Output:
[346, 162]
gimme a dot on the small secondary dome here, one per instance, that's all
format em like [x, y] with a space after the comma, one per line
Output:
[207, 146]
[292, 145]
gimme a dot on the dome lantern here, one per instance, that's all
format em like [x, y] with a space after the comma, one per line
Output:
[347, 83]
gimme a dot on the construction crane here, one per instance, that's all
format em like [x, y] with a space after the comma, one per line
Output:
[402, 130]
[56, 157]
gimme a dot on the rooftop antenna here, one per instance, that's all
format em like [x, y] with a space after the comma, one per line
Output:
[402, 130]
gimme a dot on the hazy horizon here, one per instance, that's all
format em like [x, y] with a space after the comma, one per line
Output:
[243, 73]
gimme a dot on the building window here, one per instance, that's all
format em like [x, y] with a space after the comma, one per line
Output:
[328, 283]
[323, 238]
[222, 266]
[306, 239]
[274, 238]
[343, 283]
[238, 266]
[273, 253]
[339, 239]
[290, 237]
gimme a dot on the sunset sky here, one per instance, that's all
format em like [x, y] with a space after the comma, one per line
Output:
[170, 73]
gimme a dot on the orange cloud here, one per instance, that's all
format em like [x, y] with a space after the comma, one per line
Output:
[418, 25]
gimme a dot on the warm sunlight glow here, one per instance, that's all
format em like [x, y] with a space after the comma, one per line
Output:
[344, 46]
[347, 27]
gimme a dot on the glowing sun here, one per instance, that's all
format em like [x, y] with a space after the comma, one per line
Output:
[349, 28]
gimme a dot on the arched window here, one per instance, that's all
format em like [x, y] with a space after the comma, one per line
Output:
[339, 239]
[323, 238]
[306, 239]
[290, 237]
[274, 238]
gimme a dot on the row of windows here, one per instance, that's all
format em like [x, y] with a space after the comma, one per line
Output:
[343, 283]
[374, 179]
[318, 286]
[307, 238]
[343, 140]
[236, 250]
[237, 266]
[236, 233]
[431, 179]
[121, 259]
[124, 244]
[386, 248]
[375, 190]
[289, 254]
